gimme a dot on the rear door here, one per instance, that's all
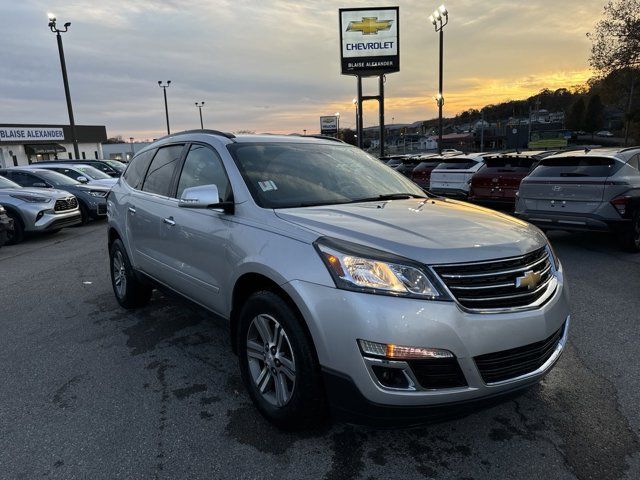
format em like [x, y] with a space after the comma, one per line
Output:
[574, 184]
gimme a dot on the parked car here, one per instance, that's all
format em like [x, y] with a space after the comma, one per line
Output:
[407, 165]
[586, 190]
[91, 198]
[6, 226]
[342, 281]
[112, 168]
[497, 183]
[35, 210]
[604, 133]
[394, 160]
[421, 175]
[79, 172]
[452, 177]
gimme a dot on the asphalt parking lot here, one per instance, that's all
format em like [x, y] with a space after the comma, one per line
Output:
[91, 391]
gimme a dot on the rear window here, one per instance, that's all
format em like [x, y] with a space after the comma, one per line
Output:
[457, 164]
[509, 164]
[576, 167]
[425, 165]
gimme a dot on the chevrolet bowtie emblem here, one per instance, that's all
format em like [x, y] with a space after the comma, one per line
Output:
[530, 280]
[369, 26]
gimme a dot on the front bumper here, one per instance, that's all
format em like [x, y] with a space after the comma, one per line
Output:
[54, 221]
[338, 318]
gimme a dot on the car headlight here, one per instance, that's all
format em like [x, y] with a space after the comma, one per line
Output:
[363, 269]
[95, 193]
[31, 198]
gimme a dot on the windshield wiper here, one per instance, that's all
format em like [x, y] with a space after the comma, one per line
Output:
[389, 196]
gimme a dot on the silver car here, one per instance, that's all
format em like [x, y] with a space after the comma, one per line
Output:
[35, 210]
[452, 178]
[595, 190]
[79, 172]
[343, 283]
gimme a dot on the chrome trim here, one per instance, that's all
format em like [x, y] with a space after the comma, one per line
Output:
[544, 367]
[507, 297]
[414, 385]
[492, 274]
[485, 262]
[498, 285]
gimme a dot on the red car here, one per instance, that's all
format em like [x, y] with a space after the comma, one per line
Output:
[422, 173]
[498, 182]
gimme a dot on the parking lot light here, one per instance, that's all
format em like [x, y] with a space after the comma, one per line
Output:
[439, 19]
[200, 105]
[166, 107]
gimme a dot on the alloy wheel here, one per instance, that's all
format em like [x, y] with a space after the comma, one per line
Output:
[271, 361]
[119, 274]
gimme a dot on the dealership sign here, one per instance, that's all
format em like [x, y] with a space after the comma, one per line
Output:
[369, 41]
[29, 134]
[329, 125]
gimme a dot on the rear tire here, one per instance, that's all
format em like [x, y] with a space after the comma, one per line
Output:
[17, 235]
[84, 214]
[280, 372]
[631, 238]
[130, 292]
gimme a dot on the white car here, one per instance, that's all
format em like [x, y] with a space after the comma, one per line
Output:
[452, 178]
[604, 133]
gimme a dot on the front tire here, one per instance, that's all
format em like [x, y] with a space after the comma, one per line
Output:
[17, 234]
[278, 363]
[130, 292]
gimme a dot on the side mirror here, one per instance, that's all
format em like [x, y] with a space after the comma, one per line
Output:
[204, 196]
[40, 185]
[82, 179]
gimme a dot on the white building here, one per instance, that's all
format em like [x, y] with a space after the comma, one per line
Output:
[122, 151]
[24, 144]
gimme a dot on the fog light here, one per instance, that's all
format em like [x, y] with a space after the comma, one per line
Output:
[399, 352]
[391, 377]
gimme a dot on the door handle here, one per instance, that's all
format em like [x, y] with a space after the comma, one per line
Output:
[132, 210]
[169, 221]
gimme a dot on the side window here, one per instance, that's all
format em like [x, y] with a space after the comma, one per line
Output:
[24, 179]
[635, 161]
[137, 169]
[203, 166]
[67, 172]
[161, 170]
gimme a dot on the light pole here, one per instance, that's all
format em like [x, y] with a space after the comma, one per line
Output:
[166, 107]
[131, 142]
[355, 103]
[338, 124]
[65, 79]
[439, 18]
[200, 105]
[305, 131]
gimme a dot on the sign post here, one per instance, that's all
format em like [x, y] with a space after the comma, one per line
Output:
[329, 125]
[370, 46]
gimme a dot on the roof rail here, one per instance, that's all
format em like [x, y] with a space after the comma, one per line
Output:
[323, 137]
[628, 149]
[201, 130]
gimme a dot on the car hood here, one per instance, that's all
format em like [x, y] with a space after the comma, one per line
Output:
[46, 192]
[432, 231]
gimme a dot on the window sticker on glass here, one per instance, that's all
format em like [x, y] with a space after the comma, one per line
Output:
[267, 185]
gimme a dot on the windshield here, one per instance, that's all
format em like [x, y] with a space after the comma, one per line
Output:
[6, 183]
[92, 173]
[576, 167]
[56, 178]
[285, 175]
[118, 166]
[457, 164]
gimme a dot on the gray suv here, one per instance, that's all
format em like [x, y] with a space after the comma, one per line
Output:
[37, 209]
[92, 199]
[595, 190]
[343, 283]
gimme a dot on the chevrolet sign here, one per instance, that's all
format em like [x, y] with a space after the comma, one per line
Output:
[369, 40]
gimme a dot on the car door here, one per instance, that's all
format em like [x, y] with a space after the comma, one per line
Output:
[150, 210]
[198, 238]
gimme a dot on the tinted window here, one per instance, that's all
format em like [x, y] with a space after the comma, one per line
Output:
[161, 170]
[576, 167]
[68, 172]
[457, 164]
[57, 179]
[137, 169]
[203, 166]
[92, 172]
[6, 183]
[24, 179]
[509, 164]
[282, 175]
[635, 161]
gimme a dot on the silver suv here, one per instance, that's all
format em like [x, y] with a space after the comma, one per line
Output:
[595, 189]
[36, 210]
[343, 283]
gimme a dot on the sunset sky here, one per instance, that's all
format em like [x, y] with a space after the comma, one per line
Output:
[273, 65]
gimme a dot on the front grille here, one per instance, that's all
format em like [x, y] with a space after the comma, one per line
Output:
[438, 373]
[70, 203]
[505, 283]
[499, 366]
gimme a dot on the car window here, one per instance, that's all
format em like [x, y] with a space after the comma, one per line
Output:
[57, 179]
[457, 164]
[6, 183]
[24, 179]
[68, 172]
[92, 172]
[635, 161]
[509, 164]
[576, 167]
[284, 175]
[203, 166]
[137, 169]
[161, 170]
